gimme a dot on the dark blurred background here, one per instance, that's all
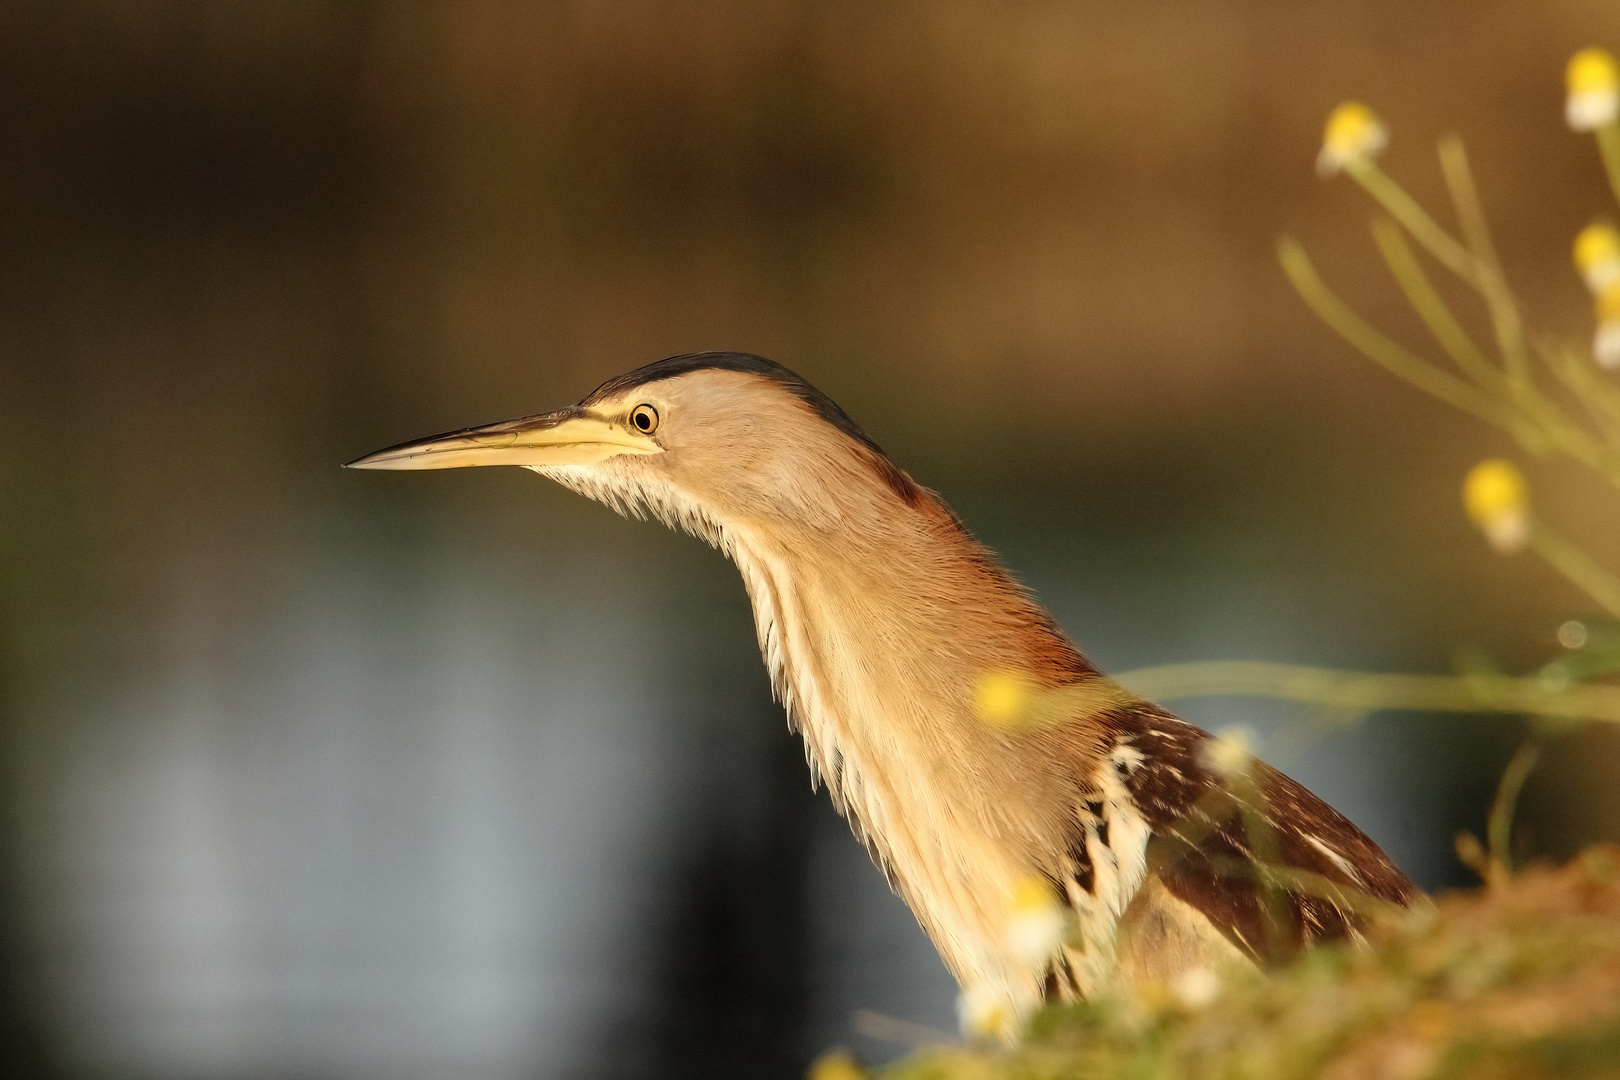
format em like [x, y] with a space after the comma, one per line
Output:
[313, 774]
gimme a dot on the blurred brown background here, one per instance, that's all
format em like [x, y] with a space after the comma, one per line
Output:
[313, 774]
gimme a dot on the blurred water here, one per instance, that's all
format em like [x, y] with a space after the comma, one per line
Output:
[420, 845]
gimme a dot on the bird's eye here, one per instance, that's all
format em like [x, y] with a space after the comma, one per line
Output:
[645, 419]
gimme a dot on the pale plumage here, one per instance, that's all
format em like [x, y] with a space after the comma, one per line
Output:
[880, 618]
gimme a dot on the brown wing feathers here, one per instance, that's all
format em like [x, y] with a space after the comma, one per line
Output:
[1272, 866]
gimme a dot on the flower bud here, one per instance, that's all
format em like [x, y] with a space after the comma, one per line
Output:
[1353, 133]
[1594, 89]
[1498, 501]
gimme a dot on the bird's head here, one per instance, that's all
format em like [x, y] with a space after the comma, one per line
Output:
[703, 441]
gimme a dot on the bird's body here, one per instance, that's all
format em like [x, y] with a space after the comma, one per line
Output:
[1051, 832]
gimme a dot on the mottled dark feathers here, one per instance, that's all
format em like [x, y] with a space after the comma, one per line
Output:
[1214, 838]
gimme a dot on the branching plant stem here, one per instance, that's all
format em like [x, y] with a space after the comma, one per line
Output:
[1576, 565]
[1356, 692]
[1608, 140]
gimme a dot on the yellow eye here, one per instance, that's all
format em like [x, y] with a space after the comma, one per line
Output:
[644, 418]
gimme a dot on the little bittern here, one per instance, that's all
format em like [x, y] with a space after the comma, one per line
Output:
[1053, 834]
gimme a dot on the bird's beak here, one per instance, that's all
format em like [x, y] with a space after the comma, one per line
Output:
[570, 436]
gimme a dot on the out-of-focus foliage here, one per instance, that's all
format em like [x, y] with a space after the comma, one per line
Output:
[1504, 385]
[1517, 981]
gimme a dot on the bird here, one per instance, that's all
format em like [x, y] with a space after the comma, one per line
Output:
[1057, 837]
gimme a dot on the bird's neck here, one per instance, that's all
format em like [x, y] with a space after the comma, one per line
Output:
[879, 639]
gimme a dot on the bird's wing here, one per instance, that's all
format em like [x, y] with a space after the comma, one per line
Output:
[1273, 867]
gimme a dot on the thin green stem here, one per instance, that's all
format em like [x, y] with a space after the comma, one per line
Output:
[1499, 828]
[1534, 420]
[1473, 855]
[1608, 140]
[1537, 423]
[1427, 302]
[1576, 441]
[1575, 369]
[1586, 383]
[1305, 883]
[1355, 692]
[1492, 283]
[1393, 357]
[1576, 565]
[1508, 323]
[1558, 430]
[1262, 840]
[1416, 220]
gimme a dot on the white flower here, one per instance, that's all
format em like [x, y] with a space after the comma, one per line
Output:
[985, 1012]
[1594, 89]
[1606, 344]
[1036, 922]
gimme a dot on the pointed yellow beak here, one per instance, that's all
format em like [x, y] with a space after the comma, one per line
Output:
[570, 436]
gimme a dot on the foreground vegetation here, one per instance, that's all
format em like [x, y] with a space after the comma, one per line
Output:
[1518, 981]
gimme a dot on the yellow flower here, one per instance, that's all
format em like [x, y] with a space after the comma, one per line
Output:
[1597, 256]
[1003, 698]
[1498, 500]
[1594, 89]
[1353, 133]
